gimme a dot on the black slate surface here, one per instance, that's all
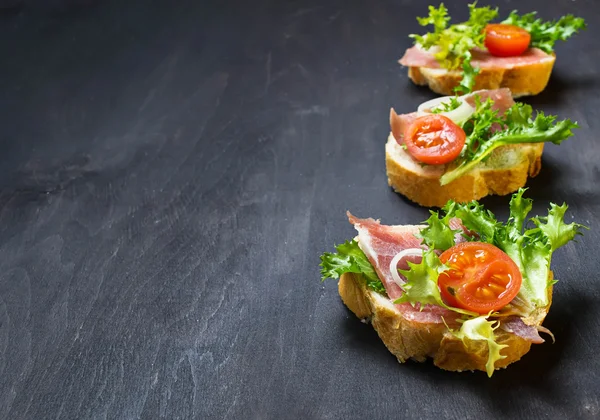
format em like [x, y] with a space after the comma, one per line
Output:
[170, 172]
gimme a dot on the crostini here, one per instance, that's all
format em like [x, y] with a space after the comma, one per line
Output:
[463, 148]
[517, 53]
[463, 288]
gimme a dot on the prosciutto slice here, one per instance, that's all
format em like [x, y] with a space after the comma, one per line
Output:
[515, 325]
[418, 57]
[399, 123]
[381, 243]
[502, 98]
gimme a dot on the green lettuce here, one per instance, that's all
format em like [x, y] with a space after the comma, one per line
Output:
[349, 258]
[453, 42]
[469, 76]
[421, 285]
[545, 34]
[437, 233]
[517, 126]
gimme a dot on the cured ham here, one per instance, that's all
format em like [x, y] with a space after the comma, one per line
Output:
[399, 122]
[515, 325]
[381, 243]
[502, 98]
[418, 57]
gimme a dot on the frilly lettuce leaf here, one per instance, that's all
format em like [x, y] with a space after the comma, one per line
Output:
[421, 285]
[475, 217]
[481, 329]
[467, 83]
[554, 228]
[517, 126]
[437, 233]
[455, 41]
[545, 34]
[349, 258]
[519, 209]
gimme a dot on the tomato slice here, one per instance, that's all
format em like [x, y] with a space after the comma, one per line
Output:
[503, 40]
[480, 278]
[434, 139]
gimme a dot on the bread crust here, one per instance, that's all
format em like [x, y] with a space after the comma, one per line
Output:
[407, 339]
[522, 80]
[503, 173]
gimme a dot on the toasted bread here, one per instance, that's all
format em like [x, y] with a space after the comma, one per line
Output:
[407, 339]
[522, 79]
[504, 172]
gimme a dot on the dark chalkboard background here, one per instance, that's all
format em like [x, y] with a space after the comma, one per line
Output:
[170, 172]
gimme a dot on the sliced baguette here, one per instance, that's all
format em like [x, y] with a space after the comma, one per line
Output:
[407, 339]
[504, 172]
[523, 79]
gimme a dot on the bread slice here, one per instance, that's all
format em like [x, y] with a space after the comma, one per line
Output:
[504, 172]
[407, 339]
[523, 79]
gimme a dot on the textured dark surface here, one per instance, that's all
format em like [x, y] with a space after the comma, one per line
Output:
[170, 172]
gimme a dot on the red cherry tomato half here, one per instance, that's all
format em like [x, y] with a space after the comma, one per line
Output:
[504, 40]
[480, 278]
[434, 139]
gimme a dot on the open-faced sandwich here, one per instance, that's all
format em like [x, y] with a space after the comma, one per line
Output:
[464, 289]
[517, 53]
[465, 147]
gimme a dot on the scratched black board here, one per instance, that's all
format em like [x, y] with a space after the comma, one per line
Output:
[170, 172]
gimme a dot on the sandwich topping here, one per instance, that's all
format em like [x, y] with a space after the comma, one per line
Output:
[463, 267]
[483, 122]
[475, 44]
